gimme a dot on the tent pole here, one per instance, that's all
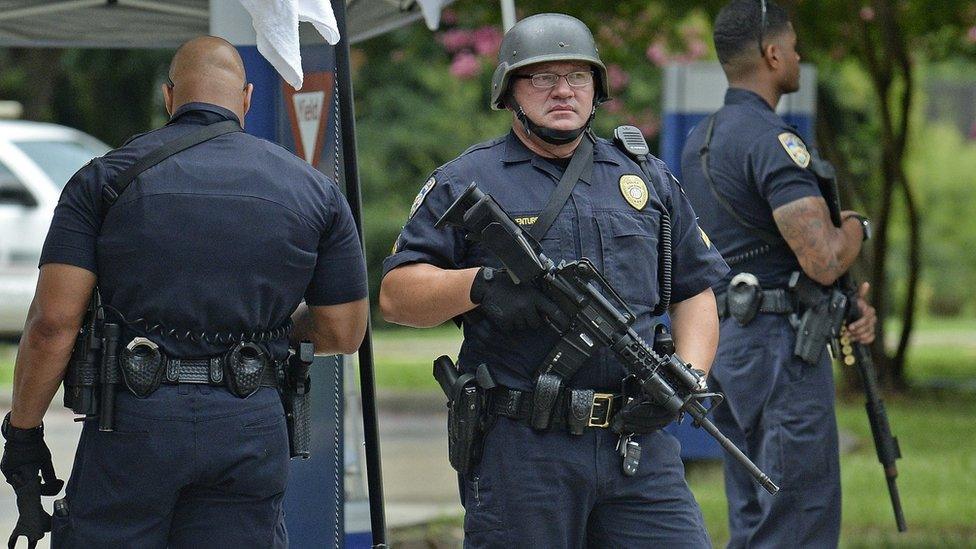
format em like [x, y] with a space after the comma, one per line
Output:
[508, 14]
[347, 124]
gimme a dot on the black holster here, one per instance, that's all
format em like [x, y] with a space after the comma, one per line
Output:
[466, 413]
[819, 325]
[295, 397]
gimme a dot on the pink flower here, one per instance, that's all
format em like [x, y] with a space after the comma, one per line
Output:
[397, 56]
[657, 53]
[465, 65]
[697, 49]
[487, 41]
[971, 35]
[449, 17]
[867, 13]
[617, 77]
[455, 40]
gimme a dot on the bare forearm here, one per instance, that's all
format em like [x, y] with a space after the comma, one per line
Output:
[334, 329]
[824, 251]
[39, 369]
[423, 295]
[694, 325]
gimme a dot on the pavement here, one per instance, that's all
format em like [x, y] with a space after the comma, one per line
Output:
[419, 483]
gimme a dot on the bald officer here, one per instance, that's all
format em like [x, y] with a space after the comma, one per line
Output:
[216, 255]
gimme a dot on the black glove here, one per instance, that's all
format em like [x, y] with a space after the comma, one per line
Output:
[26, 459]
[641, 418]
[511, 306]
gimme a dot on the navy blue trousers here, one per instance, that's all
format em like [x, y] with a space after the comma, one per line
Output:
[189, 466]
[553, 489]
[779, 410]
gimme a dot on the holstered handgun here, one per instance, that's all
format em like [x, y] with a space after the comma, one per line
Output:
[820, 324]
[466, 412]
[296, 400]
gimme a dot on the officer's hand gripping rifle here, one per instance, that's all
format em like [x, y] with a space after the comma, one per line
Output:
[599, 318]
[855, 354]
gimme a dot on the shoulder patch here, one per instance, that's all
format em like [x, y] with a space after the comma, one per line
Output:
[705, 240]
[795, 148]
[634, 190]
[421, 196]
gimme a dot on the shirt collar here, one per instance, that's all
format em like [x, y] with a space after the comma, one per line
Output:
[201, 113]
[739, 96]
[516, 151]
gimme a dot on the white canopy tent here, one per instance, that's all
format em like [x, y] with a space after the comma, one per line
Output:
[167, 23]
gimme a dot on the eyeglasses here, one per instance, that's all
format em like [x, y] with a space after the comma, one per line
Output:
[762, 28]
[546, 80]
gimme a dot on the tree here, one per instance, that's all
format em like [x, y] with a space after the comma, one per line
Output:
[881, 38]
[884, 38]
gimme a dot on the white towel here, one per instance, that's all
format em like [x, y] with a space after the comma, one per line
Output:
[276, 25]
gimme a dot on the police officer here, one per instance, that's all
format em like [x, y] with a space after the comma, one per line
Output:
[749, 178]
[210, 250]
[547, 487]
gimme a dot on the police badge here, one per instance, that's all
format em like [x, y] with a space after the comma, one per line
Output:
[634, 191]
[795, 148]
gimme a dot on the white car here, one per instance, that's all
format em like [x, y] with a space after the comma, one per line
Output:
[36, 160]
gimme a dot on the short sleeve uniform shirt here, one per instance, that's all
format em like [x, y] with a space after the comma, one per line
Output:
[758, 164]
[217, 242]
[610, 219]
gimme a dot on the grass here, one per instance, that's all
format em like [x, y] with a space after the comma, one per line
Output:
[937, 475]
[935, 428]
[934, 424]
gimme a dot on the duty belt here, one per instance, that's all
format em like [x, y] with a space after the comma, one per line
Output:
[778, 301]
[210, 371]
[575, 408]
[244, 369]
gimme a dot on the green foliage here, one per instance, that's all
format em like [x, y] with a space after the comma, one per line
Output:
[943, 164]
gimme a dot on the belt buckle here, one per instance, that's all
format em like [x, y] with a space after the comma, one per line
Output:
[601, 410]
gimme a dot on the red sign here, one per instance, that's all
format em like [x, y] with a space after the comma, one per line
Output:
[308, 111]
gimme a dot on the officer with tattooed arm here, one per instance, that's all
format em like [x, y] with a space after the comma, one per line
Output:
[754, 184]
[558, 466]
[203, 242]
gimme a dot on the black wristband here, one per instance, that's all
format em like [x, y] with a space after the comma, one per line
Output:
[16, 434]
[480, 284]
[865, 225]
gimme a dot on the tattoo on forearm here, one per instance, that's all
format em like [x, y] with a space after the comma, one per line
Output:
[806, 226]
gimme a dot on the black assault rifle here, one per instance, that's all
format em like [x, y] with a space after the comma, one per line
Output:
[599, 318]
[857, 355]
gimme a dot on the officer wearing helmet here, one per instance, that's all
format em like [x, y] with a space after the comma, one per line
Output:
[558, 487]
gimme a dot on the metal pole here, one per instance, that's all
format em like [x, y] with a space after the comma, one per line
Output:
[347, 124]
[508, 14]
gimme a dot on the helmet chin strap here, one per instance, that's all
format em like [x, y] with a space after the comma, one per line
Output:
[549, 135]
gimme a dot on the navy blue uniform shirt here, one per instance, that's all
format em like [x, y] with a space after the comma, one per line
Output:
[757, 163]
[597, 222]
[226, 237]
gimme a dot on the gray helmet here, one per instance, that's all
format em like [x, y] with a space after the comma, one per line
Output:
[546, 37]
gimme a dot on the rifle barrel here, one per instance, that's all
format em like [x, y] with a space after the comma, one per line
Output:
[731, 448]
